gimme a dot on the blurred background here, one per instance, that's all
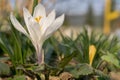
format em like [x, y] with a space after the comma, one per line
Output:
[78, 12]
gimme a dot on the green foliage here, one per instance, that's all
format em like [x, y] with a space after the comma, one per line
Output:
[16, 46]
[102, 76]
[59, 54]
[111, 58]
[66, 60]
[35, 2]
[69, 49]
[4, 69]
[21, 77]
[81, 69]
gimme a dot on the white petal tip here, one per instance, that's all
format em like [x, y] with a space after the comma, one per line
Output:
[24, 9]
[11, 16]
[53, 10]
[53, 13]
[39, 5]
[62, 18]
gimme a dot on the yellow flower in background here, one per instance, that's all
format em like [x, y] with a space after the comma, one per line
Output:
[109, 16]
[107, 29]
[92, 52]
[39, 27]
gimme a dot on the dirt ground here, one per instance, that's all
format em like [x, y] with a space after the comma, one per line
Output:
[115, 75]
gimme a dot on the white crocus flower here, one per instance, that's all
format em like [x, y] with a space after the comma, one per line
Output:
[39, 27]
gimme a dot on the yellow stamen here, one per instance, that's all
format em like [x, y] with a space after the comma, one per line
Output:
[38, 18]
[92, 51]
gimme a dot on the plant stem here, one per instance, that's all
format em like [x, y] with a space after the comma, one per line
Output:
[46, 72]
[40, 58]
[40, 55]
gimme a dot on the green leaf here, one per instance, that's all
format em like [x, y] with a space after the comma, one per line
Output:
[21, 77]
[51, 58]
[112, 59]
[4, 69]
[81, 70]
[66, 60]
[101, 75]
[103, 78]
[34, 4]
[17, 48]
[5, 47]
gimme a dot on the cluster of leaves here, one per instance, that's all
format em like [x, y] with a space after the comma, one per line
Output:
[65, 55]
[61, 55]
[16, 50]
[72, 55]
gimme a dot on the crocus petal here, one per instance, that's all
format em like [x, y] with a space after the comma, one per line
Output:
[30, 22]
[56, 24]
[39, 11]
[48, 21]
[34, 29]
[17, 25]
[27, 16]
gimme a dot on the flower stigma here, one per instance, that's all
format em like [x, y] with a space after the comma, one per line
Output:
[38, 19]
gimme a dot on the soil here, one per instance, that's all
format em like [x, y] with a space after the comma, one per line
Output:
[115, 75]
